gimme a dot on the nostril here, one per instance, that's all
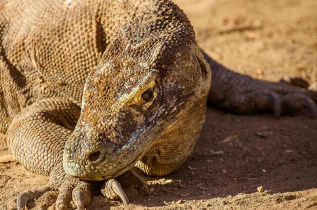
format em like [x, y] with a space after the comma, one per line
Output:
[94, 156]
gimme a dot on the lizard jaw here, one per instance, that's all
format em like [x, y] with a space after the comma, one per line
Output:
[98, 178]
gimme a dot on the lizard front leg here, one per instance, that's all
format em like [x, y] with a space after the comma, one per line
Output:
[36, 137]
[245, 95]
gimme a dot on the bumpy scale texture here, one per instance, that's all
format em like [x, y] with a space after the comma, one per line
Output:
[73, 75]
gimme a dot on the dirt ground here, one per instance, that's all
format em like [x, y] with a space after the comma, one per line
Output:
[267, 39]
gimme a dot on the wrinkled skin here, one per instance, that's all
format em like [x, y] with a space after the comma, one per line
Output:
[91, 89]
[119, 125]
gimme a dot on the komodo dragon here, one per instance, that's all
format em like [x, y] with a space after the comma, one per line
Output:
[90, 89]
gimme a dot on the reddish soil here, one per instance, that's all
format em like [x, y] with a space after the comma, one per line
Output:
[267, 39]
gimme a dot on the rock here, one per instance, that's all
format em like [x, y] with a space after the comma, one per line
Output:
[264, 134]
[179, 202]
[192, 168]
[229, 139]
[260, 189]
[216, 153]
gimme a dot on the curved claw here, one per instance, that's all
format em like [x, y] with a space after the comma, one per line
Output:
[28, 195]
[116, 187]
[22, 200]
[79, 200]
[64, 195]
[276, 104]
[144, 187]
[311, 106]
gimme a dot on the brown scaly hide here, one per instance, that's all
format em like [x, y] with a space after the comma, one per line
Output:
[113, 113]
[49, 50]
[72, 77]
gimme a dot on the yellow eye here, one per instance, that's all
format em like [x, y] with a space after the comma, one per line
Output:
[147, 95]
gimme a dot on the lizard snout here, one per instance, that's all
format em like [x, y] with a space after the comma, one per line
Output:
[85, 154]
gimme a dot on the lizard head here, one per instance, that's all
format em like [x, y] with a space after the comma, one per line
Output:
[129, 100]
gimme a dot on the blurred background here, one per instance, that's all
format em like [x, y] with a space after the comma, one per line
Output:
[240, 162]
[267, 39]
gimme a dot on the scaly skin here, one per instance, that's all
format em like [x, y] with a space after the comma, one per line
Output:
[90, 89]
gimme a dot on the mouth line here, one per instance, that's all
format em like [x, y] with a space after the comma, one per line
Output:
[128, 167]
[100, 171]
[93, 178]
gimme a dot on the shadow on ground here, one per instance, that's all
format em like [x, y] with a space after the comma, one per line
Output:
[237, 154]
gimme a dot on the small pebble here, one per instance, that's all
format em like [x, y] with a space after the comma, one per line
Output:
[260, 189]
[179, 202]
[216, 153]
[289, 151]
[192, 168]
[229, 139]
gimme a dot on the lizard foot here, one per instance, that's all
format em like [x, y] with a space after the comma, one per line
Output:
[245, 95]
[30, 195]
[71, 189]
[77, 190]
[286, 99]
[268, 96]
[64, 188]
[112, 189]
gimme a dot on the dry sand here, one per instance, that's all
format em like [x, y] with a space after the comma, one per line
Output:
[267, 39]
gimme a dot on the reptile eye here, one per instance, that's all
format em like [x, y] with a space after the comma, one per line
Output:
[147, 95]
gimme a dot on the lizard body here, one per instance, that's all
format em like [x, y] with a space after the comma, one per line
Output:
[91, 88]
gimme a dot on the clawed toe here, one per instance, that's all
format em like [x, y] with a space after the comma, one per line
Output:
[112, 189]
[22, 200]
[311, 106]
[70, 189]
[79, 200]
[80, 192]
[294, 102]
[30, 195]
[277, 100]
[144, 188]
